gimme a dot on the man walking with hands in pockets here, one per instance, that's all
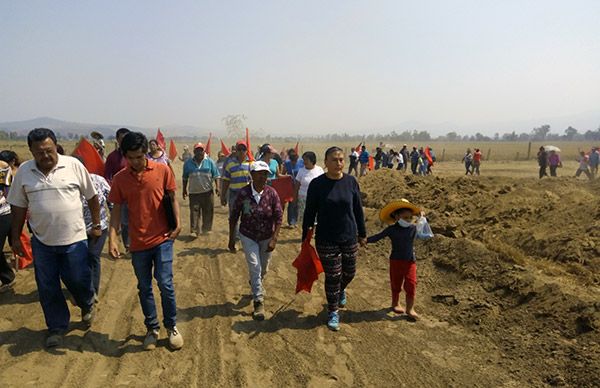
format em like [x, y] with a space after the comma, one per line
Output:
[148, 189]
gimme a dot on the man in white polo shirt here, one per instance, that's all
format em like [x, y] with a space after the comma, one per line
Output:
[50, 186]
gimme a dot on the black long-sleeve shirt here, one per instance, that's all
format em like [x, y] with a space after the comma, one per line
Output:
[337, 207]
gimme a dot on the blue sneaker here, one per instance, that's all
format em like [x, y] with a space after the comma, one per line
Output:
[333, 322]
[343, 299]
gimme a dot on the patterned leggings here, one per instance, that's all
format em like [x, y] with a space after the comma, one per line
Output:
[339, 264]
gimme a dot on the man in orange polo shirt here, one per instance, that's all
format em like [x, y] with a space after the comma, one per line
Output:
[143, 186]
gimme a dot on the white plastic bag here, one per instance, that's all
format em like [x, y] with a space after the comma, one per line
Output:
[423, 229]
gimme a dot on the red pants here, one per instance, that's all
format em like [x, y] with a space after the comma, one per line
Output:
[403, 272]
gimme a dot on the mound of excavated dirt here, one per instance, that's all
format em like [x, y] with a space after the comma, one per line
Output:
[517, 260]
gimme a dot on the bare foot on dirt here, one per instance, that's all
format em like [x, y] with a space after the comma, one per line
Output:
[398, 309]
[413, 315]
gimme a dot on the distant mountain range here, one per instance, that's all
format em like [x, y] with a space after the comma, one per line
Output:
[83, 129]
[583, 122]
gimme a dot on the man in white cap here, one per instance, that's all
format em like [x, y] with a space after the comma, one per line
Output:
[259, 207]
[202, 175]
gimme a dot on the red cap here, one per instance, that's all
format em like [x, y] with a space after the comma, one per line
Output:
[199, 145]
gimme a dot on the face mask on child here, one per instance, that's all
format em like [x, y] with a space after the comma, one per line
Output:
[404, 224]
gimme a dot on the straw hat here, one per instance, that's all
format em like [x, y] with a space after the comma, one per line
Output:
[385, 214]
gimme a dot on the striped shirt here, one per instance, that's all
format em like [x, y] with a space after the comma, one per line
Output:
[200, 176]
[236, 173]
[54, 200]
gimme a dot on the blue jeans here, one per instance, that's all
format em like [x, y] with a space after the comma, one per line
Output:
[161, 258]
[94, 252]
[66, 262]
[292, 215]
[258, 260]
[125, 225]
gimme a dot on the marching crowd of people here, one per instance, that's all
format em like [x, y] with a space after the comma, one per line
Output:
[71, 213]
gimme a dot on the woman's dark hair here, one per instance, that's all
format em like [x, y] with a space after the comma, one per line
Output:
[310, 156]
[134, 141]
[40, 134]
[9, 156]
[122, 131]
[331, 150]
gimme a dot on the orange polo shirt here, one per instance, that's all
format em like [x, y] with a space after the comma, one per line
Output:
[143, 193]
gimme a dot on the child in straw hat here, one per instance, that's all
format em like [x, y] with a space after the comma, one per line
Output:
[402, 232]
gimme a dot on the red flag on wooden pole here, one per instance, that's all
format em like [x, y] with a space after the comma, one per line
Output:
[250, 155]
[207, 149]
[91, 158]
[160, 139]
[172, 150]
[224, 150]
[357, 149]
[296, 147]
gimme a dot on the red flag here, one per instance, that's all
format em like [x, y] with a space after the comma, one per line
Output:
[284, 187]
[27, 259]
[172, 150]
[357, 149]
[250, 155]
[224, 150]
[160, 139]
[308, 265]
[296, 147]
[207, 149]
[91, 158]
[371, 163]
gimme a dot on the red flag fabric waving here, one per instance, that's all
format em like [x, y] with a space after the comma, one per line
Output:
[428, 155]
[308, 265]
[27, 259]
[284, 187]
[250, 154]
[357, 149]
[207, 149]
[91, 158]
[296, 147]
[172, 150]
[224, 150]
[160, 139]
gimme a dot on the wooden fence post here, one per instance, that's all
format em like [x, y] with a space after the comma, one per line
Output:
[443, 155]
[529, 151]
[488, 154]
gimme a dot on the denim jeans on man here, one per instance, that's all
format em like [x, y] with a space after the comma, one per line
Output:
[94, 252]
[160, 260]
[258, 259]
[68, 263]
[292, 213]
[231, 197]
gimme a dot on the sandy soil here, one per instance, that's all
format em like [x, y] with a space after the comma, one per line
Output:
[502, 304]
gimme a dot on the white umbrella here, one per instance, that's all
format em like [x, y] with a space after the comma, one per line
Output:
[551, 148]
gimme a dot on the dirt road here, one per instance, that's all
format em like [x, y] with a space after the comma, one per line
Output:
[225, 347]
[451, 346]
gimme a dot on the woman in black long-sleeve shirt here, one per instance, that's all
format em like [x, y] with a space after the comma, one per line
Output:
[333, 199]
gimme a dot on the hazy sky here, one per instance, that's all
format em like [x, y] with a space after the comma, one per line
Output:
[302, 66]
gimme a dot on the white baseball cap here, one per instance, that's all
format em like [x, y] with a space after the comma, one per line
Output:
[259, 165]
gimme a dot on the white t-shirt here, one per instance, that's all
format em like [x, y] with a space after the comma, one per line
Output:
[54, 200]
[305, 177]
